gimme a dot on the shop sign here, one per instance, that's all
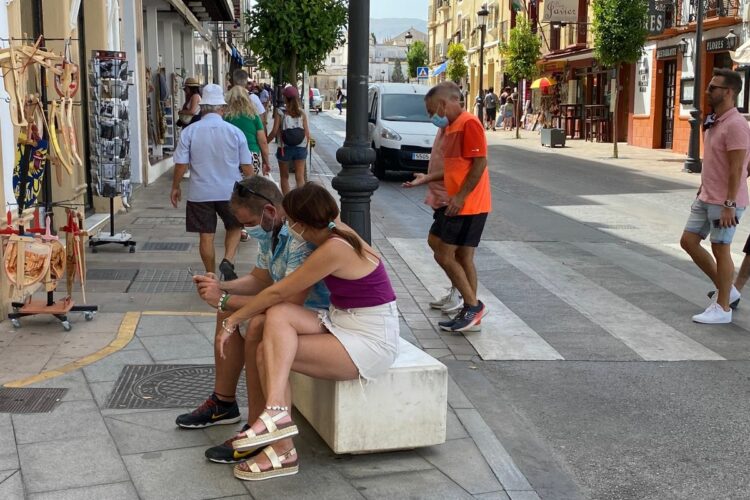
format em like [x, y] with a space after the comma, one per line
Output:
[666, 52]
[656, 15]
[717, 45]
[552, 67]
[643, 75]
[560, 11]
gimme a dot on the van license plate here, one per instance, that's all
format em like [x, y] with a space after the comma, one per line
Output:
[420, 156]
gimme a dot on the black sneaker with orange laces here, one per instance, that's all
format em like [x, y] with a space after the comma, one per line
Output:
[224, 453]
[213, 411]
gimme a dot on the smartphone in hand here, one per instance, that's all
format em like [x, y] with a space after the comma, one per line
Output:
[717, 222]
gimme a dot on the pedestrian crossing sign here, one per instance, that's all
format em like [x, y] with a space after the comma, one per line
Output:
[423, 72]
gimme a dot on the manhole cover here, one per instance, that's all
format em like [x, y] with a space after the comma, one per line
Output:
[161, 221]
[111, 274]
[164, 246]
[14, 400]
[166, 386]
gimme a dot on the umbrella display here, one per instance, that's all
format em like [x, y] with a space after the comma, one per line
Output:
[542, 83]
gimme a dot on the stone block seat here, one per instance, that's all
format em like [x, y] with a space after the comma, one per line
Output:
[405, 408]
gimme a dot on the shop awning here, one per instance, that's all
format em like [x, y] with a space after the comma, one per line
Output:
[742, 54]
[185, 12]
[212, 10]
[439, 69]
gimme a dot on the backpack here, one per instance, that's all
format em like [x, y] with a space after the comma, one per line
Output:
[292, 136]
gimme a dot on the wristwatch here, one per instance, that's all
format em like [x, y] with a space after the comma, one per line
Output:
[730, 204]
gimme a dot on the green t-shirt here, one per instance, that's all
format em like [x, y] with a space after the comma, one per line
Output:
[250, 127]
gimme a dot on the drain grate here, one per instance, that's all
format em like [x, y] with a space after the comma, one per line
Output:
[160, 275]
[615, 226]
[166, 386]
[14, 400]
[111, 274]
[160, 287]
[160, 221]
[164, 246]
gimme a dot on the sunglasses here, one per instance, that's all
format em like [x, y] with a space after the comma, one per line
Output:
[712, 87]
[245, 192]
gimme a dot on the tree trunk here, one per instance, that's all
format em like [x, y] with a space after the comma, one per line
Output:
[293, 68]
[614, 113]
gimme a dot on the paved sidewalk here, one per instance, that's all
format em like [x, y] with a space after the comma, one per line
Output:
[150, 316]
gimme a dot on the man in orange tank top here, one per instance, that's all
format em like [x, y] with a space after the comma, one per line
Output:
[467, 184]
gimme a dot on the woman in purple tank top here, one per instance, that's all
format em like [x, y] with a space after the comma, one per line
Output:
[357, 337]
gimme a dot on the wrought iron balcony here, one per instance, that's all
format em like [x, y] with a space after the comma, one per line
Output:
[682, 12]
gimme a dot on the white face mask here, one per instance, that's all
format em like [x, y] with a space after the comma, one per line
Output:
[297, 236]
[260, 230]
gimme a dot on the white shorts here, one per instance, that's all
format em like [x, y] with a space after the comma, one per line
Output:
[370, 336]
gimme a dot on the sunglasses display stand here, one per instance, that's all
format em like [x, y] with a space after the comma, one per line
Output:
[109, 87]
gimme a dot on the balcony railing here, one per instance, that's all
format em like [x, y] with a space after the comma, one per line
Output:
[682, 12]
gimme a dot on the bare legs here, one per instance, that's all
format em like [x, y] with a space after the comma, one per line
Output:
[719, 268]
[228, 369]
[299, 174]
[458, 264]
[208, 252]
[284, 176]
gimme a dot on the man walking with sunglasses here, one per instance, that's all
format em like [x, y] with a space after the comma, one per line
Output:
[216, 152]
[256, 203]
[722, 196]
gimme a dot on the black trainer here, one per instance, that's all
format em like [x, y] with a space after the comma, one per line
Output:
[211, 412]
[467, 319]
[227, 269]
[224, 453]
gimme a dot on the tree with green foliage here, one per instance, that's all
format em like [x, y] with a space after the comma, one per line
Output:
[619, 34]
[521, 53]
[398, 74]
[416, 57]
[457, 68]
[290, 35]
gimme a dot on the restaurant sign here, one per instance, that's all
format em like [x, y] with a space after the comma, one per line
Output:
[560, 11]
[666, 52]
[717, 45]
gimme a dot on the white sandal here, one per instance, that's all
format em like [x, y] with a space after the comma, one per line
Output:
[275, 433]
[277, 468]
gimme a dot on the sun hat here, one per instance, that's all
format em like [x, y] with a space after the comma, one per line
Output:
[191, 82]
[212, 95]
[290, 91]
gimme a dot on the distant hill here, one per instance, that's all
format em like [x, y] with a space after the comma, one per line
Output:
[390, 27]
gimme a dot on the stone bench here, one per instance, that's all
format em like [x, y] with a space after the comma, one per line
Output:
[405, 408]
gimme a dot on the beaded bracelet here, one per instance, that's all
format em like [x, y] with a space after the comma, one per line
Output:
[223, 302]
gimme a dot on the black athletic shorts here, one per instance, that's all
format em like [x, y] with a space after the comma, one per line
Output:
[491, 113]
[462, 230]
[438, 216]
[200, 216]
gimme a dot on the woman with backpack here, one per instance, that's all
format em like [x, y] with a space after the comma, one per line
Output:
[290, 126]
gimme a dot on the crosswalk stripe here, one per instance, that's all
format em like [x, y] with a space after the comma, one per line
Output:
[649, 337]
[504, 335]
[662, 275]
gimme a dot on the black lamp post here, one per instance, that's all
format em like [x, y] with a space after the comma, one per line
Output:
[693, 161]
[355, 183]
[482, 17]
[408, 38]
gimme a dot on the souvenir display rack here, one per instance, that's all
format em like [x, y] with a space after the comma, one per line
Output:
[47, 121]
[110, 137]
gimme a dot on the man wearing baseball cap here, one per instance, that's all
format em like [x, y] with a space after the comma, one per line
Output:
[216, 152]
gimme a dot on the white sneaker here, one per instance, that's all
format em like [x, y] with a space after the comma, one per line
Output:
[451, 297]
[713, 315]
[453, 304]
[734, 297]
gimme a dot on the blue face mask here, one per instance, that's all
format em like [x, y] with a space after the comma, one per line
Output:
[440, 121]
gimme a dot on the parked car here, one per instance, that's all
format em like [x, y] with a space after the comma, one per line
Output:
[317, 100]
[400, 129]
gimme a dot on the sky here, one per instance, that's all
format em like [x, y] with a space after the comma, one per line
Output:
[398, 8]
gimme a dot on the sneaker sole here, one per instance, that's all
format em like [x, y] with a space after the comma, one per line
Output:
[452, 309]
[435, 305]
[225, 421]
[254, 442]
[473, 324]
[711, 322]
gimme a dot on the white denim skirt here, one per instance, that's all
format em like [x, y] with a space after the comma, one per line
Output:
[370, 335]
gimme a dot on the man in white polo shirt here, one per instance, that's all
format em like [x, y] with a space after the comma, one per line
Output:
[216, 152]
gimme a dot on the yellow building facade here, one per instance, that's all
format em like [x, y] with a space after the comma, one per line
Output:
[456, 21]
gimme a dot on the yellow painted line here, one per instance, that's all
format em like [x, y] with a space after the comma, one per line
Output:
[179, 313]
[125, 334]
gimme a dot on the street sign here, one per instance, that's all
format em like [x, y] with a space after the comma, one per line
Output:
[423, 72]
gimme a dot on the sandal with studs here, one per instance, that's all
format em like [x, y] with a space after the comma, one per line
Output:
[249, 439]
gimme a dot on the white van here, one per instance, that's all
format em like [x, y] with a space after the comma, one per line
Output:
[400, 128]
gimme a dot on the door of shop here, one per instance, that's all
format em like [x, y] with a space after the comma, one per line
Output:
[667, 120]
